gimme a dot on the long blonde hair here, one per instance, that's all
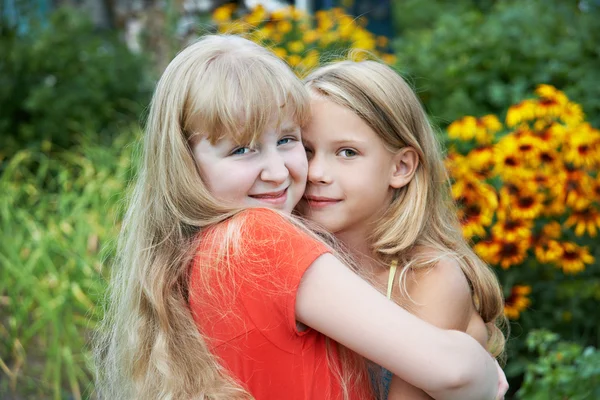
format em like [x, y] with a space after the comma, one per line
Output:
[422, 216]
[148, 346]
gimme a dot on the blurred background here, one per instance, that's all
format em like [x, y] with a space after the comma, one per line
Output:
[512, 85]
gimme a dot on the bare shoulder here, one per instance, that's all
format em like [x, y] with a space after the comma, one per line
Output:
[441, 294]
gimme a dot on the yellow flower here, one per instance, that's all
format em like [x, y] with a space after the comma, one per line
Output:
[574, 258]
[463, 129]
[488, 251]
[311, 60]
[517, 302]
[280, 52]
[512, 253]
[284, 26]
[258, 15]
[310, 36]
[552, 230]
[502, 252]
[382, 41]
[572, 114]
[520, 112]
[469, 189]
[223, 14]
[296, 47]
[513, 229]
[297, 14]
[583, 147]
[527, 147]
[548, 251]
[234, 27]
[548, 92]
[586, 220]
[294, 60]
[389, 59]
[324, 21]
[596, 188]
[507, 163]
[491, 123]
[281, 13]
[345, 30]
[578, 189]
[363, 39]
[481, 160]
[477, 202]
[519, 203]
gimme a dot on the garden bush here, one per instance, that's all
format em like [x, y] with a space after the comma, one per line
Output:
[562, 370]
[303, 40]
[529, 196]
[61, 77]
[59, 215]
[475, 61]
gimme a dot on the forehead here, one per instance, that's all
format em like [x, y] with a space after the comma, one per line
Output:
[331, 121]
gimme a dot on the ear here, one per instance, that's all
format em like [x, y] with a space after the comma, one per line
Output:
[405, 163]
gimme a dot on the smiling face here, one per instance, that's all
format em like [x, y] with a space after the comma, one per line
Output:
[350, 170]
[270, 173]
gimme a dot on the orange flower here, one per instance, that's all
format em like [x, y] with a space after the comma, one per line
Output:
[587, 219]
[520, 203]
[481, 160]
[502, 252]
[519, 113]
[517, 302]
[513, 229]
[578, 189]
[469, 128]
[507, 162]
[574, 258]
[552, 230]
[548, 251]
[583, 147]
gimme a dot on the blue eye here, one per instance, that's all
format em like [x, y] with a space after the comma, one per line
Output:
[348, 153]
[285, 140]
[241, 150]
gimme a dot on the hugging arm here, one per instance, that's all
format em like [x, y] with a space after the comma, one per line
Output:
[447, 364]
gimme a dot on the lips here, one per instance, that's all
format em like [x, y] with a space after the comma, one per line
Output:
[320, 201]
[271, 197]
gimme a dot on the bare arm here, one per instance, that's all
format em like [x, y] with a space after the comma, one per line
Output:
[442, 297]
[336, 302]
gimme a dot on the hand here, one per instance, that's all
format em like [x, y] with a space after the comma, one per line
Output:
[502, 383]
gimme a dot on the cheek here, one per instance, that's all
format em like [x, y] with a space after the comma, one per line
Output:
[298, 164]
[230, 181]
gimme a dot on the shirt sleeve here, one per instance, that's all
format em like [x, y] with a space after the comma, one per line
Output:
[274, 255]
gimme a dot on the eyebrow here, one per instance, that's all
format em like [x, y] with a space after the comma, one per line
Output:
[289, 129]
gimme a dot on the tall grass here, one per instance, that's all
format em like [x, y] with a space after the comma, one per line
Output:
[59, 215]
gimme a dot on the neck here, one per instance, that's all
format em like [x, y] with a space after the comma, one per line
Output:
[356, 243]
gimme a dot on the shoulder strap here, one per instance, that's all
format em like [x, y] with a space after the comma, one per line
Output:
[390, 285]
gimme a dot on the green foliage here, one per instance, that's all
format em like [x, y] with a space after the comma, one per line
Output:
[416, 14]
[61, 78]
[563, 370]
[59, 216]
[474, 63]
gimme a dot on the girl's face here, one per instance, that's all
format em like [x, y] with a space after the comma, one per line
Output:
[272, 173]
[349, 170]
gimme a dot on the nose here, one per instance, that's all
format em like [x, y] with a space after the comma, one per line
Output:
[275, 170]
[317, 171]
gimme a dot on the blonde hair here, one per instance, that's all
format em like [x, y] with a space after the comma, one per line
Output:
[422, 216]
[148, 346]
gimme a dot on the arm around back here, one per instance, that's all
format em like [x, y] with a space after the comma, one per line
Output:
[446, 364]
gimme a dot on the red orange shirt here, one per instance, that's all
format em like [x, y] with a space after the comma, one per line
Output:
[245, 306]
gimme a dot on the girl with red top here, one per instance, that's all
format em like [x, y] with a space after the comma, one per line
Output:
[211, 299]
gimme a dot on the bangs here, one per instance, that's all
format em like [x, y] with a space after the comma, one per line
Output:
[240, 94]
